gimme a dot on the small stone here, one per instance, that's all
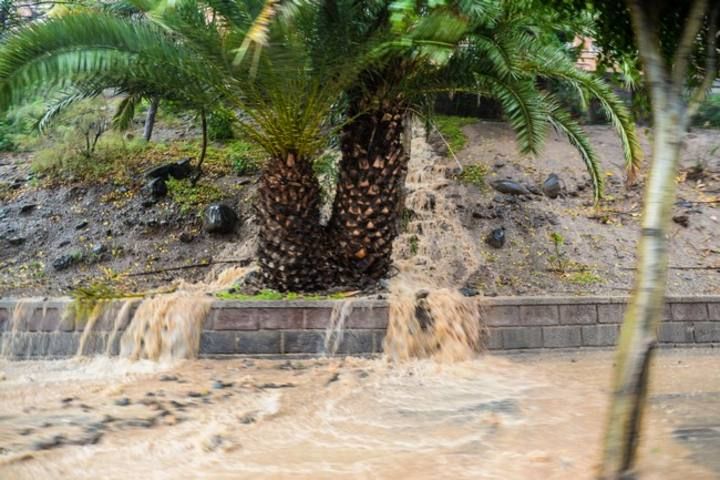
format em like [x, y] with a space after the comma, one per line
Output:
[219, 218]
[64, 262]
[551, 186]
[146, 204]
[194, 394]
[509, 187]
[186, 237]
[27, 208]
[122, 402]
[168, 378]
[496, 238]
[81, 225]
[16, 241]
[682, 220]
[277, 385]
[99, 249]
[469, 292]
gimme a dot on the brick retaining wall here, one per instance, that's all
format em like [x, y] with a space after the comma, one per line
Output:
[300, 327]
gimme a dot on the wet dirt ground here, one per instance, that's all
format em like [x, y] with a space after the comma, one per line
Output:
[511, 417]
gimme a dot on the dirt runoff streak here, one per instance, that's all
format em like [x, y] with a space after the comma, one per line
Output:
[166, 326]
[428, 316]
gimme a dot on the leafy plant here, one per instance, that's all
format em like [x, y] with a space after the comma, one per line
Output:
[245, 157]
[451, 129]
[220, 124]
[708, 114]
[474, 175]
[558, 258]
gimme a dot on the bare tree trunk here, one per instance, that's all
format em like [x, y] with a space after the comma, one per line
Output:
[150, 118]
[639, 330]
[671, 116]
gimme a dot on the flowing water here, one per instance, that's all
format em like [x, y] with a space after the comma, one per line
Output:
[151, 414]
[497, 418]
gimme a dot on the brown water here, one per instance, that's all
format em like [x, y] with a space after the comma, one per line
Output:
[503, 418]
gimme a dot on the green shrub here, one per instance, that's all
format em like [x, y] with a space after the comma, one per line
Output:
[245, 157]
[709, 113]
[451, 129]
[220, 125]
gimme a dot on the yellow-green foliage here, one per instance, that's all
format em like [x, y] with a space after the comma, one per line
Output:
[193, 197]
[451, 129]
[474, 175]
[274, 295]
[584, 278]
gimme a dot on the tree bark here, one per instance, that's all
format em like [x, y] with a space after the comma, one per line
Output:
[291, 248]
[150, 118]
[369, 199]
[639, 331]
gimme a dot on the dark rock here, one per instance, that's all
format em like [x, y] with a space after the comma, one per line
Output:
[157, 187]
[219, 218]
[509, 187]
[496, 238]
[335, 377]
[194, 394]
[146, 204]
[177, 170]
[469, 292]
[277, 385]
[16, 241]
[27, 208]
[534, 190]
[81, 225]
[99, 249]
[420, 294]
[551, 186]
[122, 402]
[168, 378]
[181, 169]
[682, 220]
[186, 237]
[64, 243]
[64, 262]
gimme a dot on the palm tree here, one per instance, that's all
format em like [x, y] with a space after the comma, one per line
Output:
[495, 49]
[203, 54]
[377, 60]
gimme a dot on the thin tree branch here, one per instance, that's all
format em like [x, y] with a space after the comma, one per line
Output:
[693, 24]
[710, 66]
[649, 49]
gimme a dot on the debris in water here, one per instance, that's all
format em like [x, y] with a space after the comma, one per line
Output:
[122, 402]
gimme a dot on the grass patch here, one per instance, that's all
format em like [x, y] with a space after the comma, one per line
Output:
[192, 198]
[474, 175]
[273, 295]
[584, 278]
[451, 129]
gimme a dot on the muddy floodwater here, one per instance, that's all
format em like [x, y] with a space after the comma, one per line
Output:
[508, 417]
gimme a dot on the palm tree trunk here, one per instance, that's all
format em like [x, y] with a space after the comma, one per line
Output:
[150, 118]
[639, 331]
[369, 199]
[290, 247]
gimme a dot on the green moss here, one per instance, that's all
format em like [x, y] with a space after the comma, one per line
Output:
[192, 198]
[451, 128]
[474, 175]
[274, 295]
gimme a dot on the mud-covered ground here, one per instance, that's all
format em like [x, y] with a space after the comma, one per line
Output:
[114, 228]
